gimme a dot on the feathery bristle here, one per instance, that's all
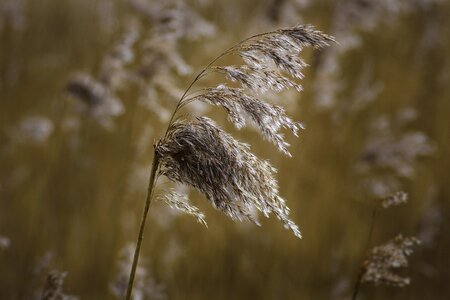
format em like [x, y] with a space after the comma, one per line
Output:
[378, 266]
[282, 47]
[181, 202]
[200, 154]
[269, 118]
[258, 79]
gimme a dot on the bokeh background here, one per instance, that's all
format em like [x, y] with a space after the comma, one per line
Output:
[85, 90]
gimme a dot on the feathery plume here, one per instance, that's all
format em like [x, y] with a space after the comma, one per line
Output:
[200, 154]
[258, 79]
[269, 118]
[377, 268]
[53, 288]
[98, 99]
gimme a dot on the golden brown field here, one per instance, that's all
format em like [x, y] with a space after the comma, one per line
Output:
[87, 89]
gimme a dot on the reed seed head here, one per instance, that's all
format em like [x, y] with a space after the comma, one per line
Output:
[200, 154]
[377, 268]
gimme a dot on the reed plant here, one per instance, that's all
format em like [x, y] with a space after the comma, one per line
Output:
[196, 152]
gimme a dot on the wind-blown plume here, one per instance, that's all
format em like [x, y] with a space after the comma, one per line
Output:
[269, 118]
[377, 268]
[200, 154]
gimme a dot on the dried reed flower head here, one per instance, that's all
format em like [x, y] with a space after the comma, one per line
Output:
[200, 154]
[87, 89]
[98, 99]
[395, 199]
[398, 153]
[377, 268]
[282, 48]
[391, 155]
[53, 288]
[98, 94]
[173, 19]
[268, 118]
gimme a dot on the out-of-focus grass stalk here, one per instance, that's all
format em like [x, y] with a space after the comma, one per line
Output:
[366, 248]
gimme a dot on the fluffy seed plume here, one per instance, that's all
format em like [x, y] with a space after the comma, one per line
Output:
[258, 79]
[268, 117]
[377, 268]
[282, 48]
[200, 154]
[265, 56]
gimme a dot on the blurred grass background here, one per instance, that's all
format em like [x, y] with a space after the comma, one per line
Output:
[65, 203]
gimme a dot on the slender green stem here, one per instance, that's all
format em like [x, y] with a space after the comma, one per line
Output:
[148, 200]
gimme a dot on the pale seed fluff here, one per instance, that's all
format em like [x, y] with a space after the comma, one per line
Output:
[379, 265]
[268, 118]
[200, 154]
[258, 79]
[181, 202]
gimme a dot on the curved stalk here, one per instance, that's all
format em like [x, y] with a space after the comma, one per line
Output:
[202, 72]
[151, 185]
[155, 163]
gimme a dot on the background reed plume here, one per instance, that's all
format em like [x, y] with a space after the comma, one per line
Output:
[198, 153]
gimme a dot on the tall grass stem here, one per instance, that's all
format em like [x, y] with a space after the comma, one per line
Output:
[148, 200]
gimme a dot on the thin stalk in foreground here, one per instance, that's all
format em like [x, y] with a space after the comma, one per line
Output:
[151, 185]
[203, 131]
[148, 200]
[358, 280]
